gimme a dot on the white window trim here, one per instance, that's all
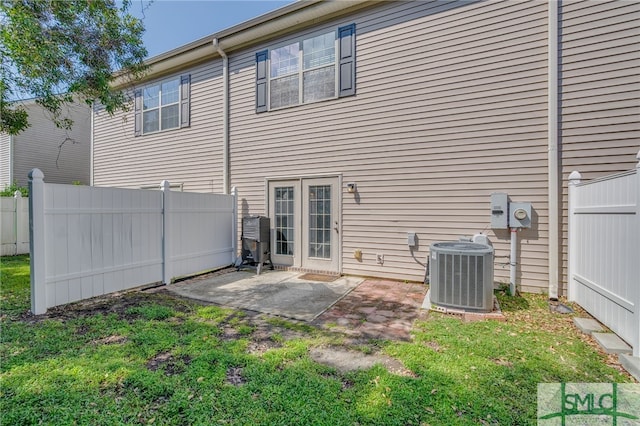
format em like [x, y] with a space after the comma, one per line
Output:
[160, 106]
[301, 69]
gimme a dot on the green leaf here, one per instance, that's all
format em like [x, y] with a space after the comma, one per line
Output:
[65, 51]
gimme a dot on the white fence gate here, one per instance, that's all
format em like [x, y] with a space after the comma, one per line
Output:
[14, 225]
[604, 251]
[89, 241]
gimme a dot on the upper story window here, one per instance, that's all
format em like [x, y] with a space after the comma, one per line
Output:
[162, 106]
[308, 70]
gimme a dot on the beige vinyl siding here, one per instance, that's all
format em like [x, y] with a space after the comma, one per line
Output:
[450, 107]
[600, 98]
[63, 156]
[5, 160]
[189, 156]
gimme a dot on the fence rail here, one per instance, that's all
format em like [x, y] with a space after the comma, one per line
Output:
[604, 251]
[89, 241]
[14, 225]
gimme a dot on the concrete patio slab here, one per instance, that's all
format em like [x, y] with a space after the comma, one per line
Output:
[273, 292]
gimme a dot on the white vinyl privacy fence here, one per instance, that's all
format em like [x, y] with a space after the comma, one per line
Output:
[604, 251]
[89, 241]
[14, 225]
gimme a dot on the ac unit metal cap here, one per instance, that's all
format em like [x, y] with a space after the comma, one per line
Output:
[457, 247]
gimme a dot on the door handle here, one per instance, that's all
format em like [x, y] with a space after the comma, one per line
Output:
[336, 227]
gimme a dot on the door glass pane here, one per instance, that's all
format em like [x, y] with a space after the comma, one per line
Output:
[320, 221]
[284, 220]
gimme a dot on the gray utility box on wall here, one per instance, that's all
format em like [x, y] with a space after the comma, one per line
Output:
[499, 210]
[520, 215]
[256, 241]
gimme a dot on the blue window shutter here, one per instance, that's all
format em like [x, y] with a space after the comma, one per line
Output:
[347, 72]
[261, 81]
[137, 112]
[185, 100]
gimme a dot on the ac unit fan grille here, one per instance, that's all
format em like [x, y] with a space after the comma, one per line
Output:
[461, 280]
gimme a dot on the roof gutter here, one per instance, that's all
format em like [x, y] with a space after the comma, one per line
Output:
[225, 117]
[553, 161]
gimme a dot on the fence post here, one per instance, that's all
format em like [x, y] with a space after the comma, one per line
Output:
[574, 180]
[636, 301]
[234, 226]
[165, 186]
[37, 235]
[19, 224]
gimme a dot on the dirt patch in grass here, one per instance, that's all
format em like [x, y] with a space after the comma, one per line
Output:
[170, 364]
[122, 304]
[234, 376]
[260, 347]
[433, 345]
[347, 360]
[503, 362]
[111, 340]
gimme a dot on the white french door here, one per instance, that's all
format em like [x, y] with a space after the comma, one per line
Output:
[305, 222]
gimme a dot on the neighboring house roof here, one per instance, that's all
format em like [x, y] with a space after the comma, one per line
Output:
[290, 18]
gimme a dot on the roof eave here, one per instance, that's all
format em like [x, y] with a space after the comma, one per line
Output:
[286, 19]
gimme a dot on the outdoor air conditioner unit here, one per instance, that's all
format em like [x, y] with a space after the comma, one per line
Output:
[461, 276]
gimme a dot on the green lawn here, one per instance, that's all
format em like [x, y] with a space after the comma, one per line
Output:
[142, 358]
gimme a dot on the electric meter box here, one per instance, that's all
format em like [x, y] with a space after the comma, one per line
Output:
[520, 215]
[499, 210]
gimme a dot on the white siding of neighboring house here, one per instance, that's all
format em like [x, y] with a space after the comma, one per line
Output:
[451, 106]
[5, 160]
[600, 99]
[63, 156]
[189, 156]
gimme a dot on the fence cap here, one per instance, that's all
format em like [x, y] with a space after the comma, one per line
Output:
[575, 177]
[36, 174]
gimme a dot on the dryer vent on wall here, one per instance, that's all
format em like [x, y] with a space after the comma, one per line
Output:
[461, 276]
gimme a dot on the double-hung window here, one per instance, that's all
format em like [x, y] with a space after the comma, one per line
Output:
[318, 67]
[162, 106]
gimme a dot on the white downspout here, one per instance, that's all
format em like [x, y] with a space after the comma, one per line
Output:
[225, 117]
[554, 216]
